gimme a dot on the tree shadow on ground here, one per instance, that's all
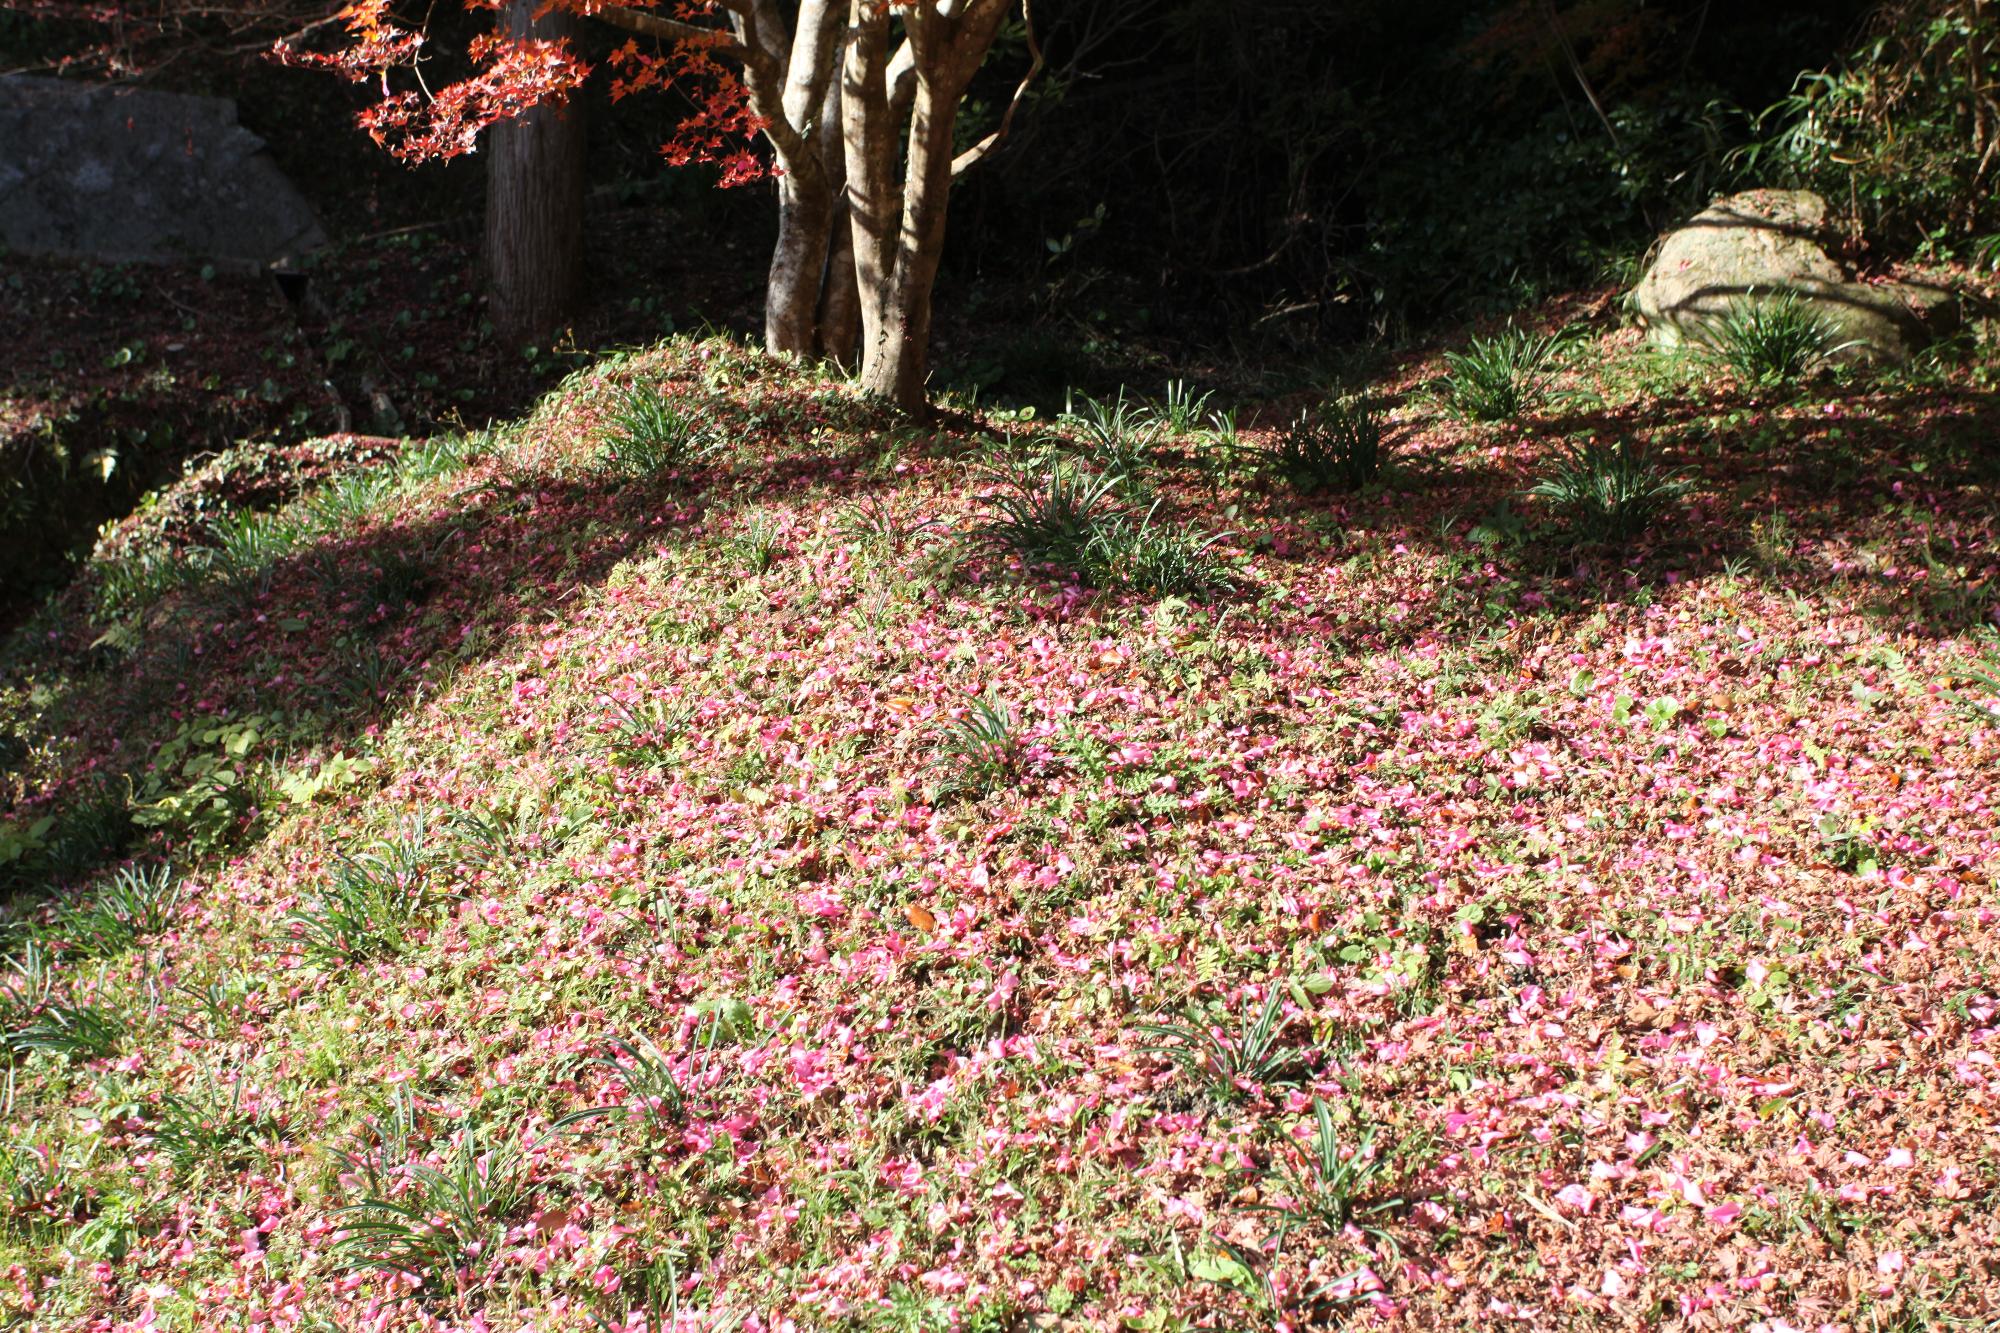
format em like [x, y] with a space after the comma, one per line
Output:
[1876, 497]
[338, 635]
[326, 642]
[334, 637]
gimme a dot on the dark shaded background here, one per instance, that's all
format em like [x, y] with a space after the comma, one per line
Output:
[1239, 193]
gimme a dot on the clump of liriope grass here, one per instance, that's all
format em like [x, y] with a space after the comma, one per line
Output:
[1775, 339]
[1608, 493]
[1340, 445]
[1504, 376]
[648, 433]
[1073, 521]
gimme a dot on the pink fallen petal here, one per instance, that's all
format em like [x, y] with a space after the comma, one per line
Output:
[1577, 1197]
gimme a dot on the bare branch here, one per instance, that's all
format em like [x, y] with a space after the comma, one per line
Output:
[767, 52]
[976, 154]
[816, 51]
[652, 25]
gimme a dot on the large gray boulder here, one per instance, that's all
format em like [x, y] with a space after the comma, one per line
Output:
[1763, 244]
[131, 174]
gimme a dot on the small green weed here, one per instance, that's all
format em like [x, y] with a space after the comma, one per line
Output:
[877, 520]
[366, 677]
[1222, 449]
[441, 456]
[25, 984]
[1846, 844]
[348, 498]
[645, 734]
[136, 581]
[1226, 1065]
[401, 578]
[206, 781]
[482, 837]
[758, 544]
[1981, 704]
[40, 1190]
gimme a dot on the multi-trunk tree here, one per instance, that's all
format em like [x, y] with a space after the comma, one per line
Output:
[856, 101]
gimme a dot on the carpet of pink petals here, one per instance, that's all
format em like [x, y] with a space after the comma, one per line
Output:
[1549, 857]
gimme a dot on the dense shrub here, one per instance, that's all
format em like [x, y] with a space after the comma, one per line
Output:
[1905, 134]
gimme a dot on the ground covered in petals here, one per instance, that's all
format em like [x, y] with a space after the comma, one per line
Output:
[713, 855]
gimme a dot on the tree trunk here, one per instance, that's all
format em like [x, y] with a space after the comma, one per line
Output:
[899, 236]
[840, 295]
[534, 202]
[798, 261]
[789, 78]
[869, 142]
[840, 298]
[895, 361]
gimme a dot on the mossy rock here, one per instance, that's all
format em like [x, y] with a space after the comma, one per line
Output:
[1767, 244]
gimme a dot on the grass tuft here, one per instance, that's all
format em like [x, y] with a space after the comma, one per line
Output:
[981, 750]
[1158, 558]
[649, 433]
[1505, 376]
[370, 905]
[654, 1096]
[1775, 339]
[436, 1225]
[1331, 1188]
[1054, 518]
[1228, 1066]
[1608, 494]
[70, 1032]
[135, 902]
[1338, 446]
[1118, 433]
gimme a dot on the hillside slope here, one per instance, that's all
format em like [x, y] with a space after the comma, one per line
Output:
[1413, 910]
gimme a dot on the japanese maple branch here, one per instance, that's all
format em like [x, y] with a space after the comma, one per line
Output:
[763, 67]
